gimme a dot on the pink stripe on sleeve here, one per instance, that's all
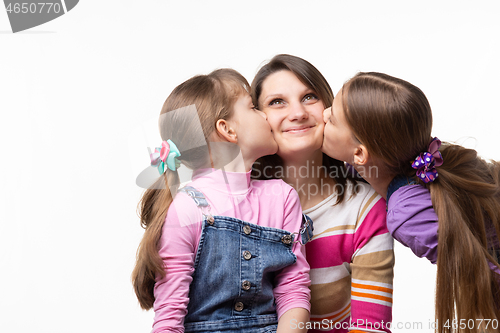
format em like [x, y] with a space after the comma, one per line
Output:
[329, 258]
[371, 225]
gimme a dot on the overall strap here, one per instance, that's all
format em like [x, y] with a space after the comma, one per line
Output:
[306, 229]
[198, 197]
[200, 200]
[396, 183]
[305, 234]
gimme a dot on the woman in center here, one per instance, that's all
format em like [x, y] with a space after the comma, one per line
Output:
[351, 254]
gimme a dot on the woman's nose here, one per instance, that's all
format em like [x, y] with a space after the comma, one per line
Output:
[298, 111]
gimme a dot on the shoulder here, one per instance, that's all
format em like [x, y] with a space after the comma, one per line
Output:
[275, 193]
[407, 203]
[360, 201]
[368, 205]
[183, 211]
[409, 200]
[409, 192]
[362, 195]
[271, 187]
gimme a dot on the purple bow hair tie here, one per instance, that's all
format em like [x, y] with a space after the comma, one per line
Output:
[426, 162]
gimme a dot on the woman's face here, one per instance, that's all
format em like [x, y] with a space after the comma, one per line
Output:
[295, 114]
[339, 140]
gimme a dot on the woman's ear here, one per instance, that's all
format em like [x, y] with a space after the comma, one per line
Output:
[361, 155]
[225, 131]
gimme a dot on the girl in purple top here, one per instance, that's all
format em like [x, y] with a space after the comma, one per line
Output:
[223, 253]
[382, 126]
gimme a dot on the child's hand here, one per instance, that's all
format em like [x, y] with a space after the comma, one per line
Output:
[293, 321]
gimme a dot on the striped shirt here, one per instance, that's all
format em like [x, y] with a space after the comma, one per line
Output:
[352, 260]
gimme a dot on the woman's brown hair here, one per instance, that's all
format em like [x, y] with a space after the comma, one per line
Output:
[314, 80]
[393, 119]
[214, 96]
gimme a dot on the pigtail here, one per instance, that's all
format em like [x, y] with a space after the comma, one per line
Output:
[466, 199]
[153, 211]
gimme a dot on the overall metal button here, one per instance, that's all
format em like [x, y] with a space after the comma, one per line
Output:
[247, 230]
[246, 285]
[247, 255]
[239, 306]
[287, 239]
[210, 220]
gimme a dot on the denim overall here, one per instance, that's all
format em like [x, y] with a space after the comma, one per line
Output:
[234, 270]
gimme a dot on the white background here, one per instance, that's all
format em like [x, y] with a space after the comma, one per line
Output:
[79, 97]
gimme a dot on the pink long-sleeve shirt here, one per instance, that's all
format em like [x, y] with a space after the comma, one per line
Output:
[269, 203]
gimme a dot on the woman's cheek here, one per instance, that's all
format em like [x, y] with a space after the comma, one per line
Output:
[327, 131]
[273, 123]
[325, 128]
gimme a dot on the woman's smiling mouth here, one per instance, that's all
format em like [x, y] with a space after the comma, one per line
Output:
[298, 129]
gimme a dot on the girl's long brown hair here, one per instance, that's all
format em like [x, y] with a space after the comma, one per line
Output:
[213, 95]
[314, 80]
[393, 119]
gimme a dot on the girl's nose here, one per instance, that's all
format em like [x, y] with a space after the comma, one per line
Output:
[326, 114]
[263, 114]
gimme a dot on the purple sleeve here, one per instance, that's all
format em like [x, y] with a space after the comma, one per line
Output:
[412, 221]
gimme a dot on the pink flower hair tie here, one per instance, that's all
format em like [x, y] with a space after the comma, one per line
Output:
[426, 162]
[165, 157]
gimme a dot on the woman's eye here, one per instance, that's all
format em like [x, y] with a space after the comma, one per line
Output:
[310, 98]
[277, 101]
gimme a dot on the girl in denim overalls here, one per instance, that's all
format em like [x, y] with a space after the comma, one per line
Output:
[223, 254]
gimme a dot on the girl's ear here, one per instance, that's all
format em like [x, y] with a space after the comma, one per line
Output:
[225, 131]
[361, 155]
